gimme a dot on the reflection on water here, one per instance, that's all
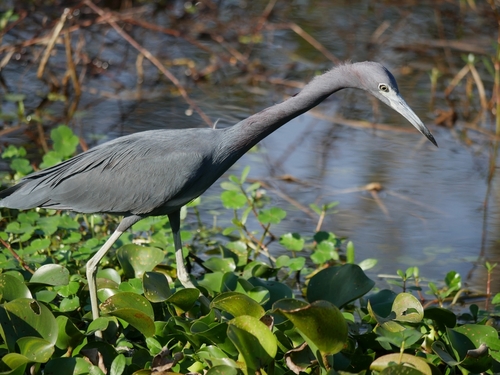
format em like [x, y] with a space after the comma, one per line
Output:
[429, 212]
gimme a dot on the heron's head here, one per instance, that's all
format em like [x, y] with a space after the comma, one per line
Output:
[376, 79]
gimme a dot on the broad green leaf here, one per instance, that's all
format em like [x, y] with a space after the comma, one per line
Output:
[132, 308]
[127, 300]
[35, 349]
[282, 261]
[137, 319]
[477, 334]
[411, 361]
[224, 370]
[230, 186]
[135, 259]
[400, 370]
[292, 241]
[65, 141]
[339, 285]
[118, 365]
[68, 290]
[233, 199]
[68, 334]
[367, 264]
[51, 274]
[184, 299]
[212, 281]
[255, 342]
[401, 338]
[469, 339]
[101, 324]
[272, 215]
[442, 317]
[21, 166]
[441, 351]
[156, 287]
[73, 366]
[321, 322]
[382, 301]
[69, 304]
[110, 274]
[276, 289]
[12, 288]
[237, 304]
[217, 334]
[220, 264]
[258, 269]
[408, 308]
[25, 317]
[214, 355]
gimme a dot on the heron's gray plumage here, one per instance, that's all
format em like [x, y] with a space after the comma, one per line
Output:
[157, 172]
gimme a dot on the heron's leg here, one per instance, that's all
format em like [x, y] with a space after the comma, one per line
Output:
[92, 265]
[182, 274]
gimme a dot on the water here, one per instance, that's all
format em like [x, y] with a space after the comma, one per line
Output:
[429, 212]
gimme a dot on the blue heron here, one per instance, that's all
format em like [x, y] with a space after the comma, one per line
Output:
[157, 172]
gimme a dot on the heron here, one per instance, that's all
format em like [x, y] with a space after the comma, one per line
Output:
[157, 172]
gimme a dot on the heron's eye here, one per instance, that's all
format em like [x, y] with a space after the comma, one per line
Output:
[383, 87]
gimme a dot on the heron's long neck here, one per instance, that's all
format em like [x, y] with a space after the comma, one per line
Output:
[247, 133]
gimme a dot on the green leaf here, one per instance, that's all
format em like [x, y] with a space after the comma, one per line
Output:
[315, 208]
[253, 339]
[320, 322]
[12, 151]
[217, 334]
[408, 308]
[230, 186]
[156, 287]
[350, 252]
[132, 308]
[35, 349]
[292, 241]
[410, 363]
[272, 216]
[224, 370]
[12, 288]
[184, 299]
[136, 259]
[237, 304]
[282, 261]
[74, 366]
[439, 348]
[65, 141]
[118, 365]
[68, 334]
[69, 304]
[217, 264]
[233, 199]
[401, 338]
[244, 174]
[339, 285]
[276, 290]
[443, 318]
[477, 334]
[296, 264]
[50, 274]
[367, 264]
[215, 356]
[25, 317]
[21, 166]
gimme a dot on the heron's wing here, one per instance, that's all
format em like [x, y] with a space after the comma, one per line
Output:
[131, 176]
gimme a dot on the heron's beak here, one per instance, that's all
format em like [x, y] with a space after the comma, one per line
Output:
[399, 105]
